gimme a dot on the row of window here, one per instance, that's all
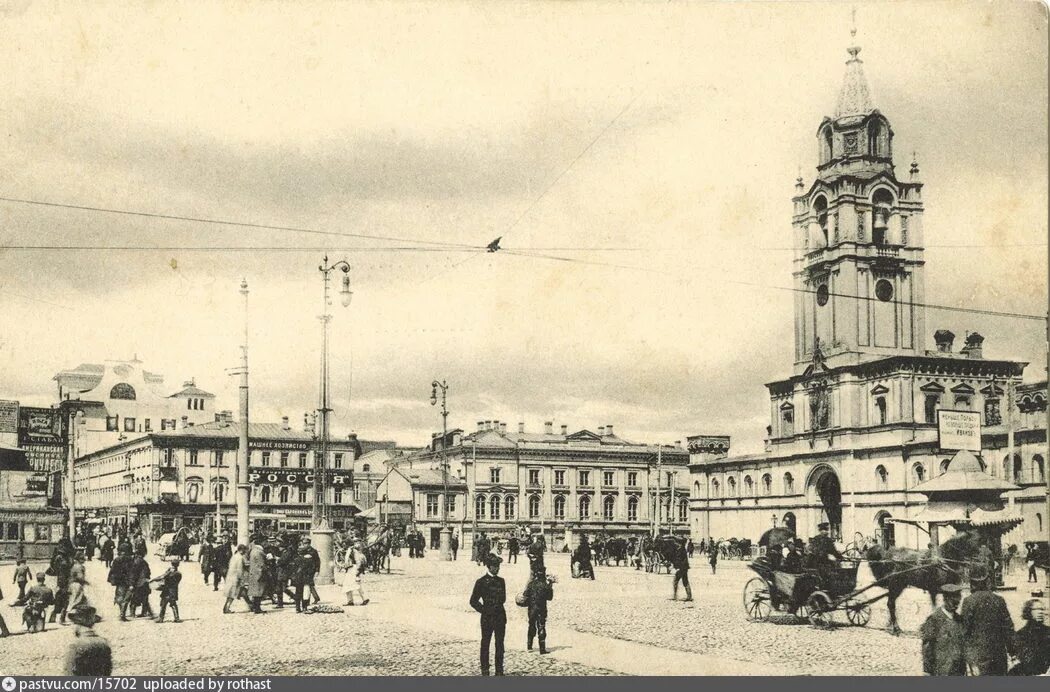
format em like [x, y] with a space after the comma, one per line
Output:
[932, 402]
[195, 404]
[131, 424]
[494, 507]
[765, 486]
[583, 477]
[283, 459]
[29, 533]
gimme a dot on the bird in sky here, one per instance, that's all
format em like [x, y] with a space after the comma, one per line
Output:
[494, 245]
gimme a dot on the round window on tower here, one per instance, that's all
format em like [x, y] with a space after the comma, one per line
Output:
[884, 290]
[822, 295]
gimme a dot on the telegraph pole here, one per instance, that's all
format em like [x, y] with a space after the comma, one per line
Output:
[244, 488]
[445, 537]
[659, 481]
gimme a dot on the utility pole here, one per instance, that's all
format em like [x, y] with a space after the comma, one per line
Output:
[445, 537]
[69, 484]
[244, 488]
[1046, 469]
[659, 481]
[321, 532]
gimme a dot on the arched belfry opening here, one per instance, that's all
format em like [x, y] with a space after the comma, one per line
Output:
[826, 150]
[820, 211]
[882, 210]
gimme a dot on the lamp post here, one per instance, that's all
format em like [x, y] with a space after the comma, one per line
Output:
[244, 488]
[445, 540]
[75, 415]
[321, 532]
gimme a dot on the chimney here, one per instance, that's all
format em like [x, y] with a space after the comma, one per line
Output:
[564, 429]
[503, 428]
[218, 417]
[601, 431]
[521, 428]
[481, 426]
[495, 426]
[185, 422]
[944, 339]
[548, 428]
[678, 444]
[284, 423]
[973, 347]
[608, 430]
[488, 425]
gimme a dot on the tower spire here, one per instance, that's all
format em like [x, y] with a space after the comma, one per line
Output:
[855, 96]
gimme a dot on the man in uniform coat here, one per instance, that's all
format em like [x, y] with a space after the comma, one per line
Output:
[535, 553]
[488, 597]
[256, 581]
[988, 629]
[943, 651]
[220, 561]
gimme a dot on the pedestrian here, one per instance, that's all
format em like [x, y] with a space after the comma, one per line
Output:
[77, 582]
[988, 629]
[236, 579]
[220, 560]
[355, 562]
[513, 546]
[122, 577]
[537, 592]
[3, 625]
[535, 553]
[302, 574]
[207, 550]
[943, 636]
[89, 654]
[689, 547]
[140, 595]
[61, 564]
[39, 597]
[317, 568]
[454, 545]
[1030, 559]
[169, 590]
[255, 575]
[22, 574]
[105, 550]
[285, 565]
[581, 559]
[680, 561]
[712, 556]
[1032, 641]
[488, 597]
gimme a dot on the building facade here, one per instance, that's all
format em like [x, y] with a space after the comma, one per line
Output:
[30, 526]
[853, 429]
[187, 477]
[565, 484]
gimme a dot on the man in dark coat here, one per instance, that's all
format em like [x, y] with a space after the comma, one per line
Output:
[453, 545]
[140, 598]
[220, 561]
[823, 553]
[943, 637]
[488, 597]
[582, 558]
[256, 570]
[316, 557]
[989, 630]
[61, 564]
[122, 577]
[535, 553]
[89, 654]
[169, 590]
[680, 561]
[513, 548]
[537, 592]
[207, 551]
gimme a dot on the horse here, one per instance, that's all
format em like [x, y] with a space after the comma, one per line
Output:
[615, 551]
[378, 551]
[898, 568]
[663, 553]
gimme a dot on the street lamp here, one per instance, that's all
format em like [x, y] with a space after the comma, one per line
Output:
[445, 540]
[321, 532]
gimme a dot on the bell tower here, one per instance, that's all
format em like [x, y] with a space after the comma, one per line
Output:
[858, 239]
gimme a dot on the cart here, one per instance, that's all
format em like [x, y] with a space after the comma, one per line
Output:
[808, 595]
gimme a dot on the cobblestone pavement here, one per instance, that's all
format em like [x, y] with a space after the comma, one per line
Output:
[420, 624]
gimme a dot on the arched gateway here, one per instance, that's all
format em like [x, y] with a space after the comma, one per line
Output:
[824, 493]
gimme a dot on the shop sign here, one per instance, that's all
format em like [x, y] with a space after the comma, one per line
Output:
[959, 430]
[8, 416]
[262, 475]
[40, 426]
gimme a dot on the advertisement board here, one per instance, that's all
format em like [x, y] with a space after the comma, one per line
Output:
[40, 426]
[8, 416]
[959, 430]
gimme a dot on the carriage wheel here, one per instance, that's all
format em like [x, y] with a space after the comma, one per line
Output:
[756, 600]
[857, 612]
[820, 607]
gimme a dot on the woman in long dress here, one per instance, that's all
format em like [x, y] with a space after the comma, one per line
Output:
[235, 576]
[354, 563]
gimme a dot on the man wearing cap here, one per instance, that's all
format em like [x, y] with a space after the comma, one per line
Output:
[943, 637]
[89, 654]
[988, 629]
[823, 552]
[169, 590]
[490, 593]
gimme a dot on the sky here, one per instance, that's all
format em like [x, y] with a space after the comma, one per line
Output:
[657, 145]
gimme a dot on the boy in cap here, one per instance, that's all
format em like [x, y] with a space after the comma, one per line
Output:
[490, 593]
[943, 650]
[169, 590]
[538, 591]
[89, 654]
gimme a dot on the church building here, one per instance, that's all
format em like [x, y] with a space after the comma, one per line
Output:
[853, 428]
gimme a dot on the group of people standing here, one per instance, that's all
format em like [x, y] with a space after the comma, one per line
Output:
[978, 637]
[490, 595]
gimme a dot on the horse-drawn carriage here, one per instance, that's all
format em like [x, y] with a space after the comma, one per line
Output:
[809, 595]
